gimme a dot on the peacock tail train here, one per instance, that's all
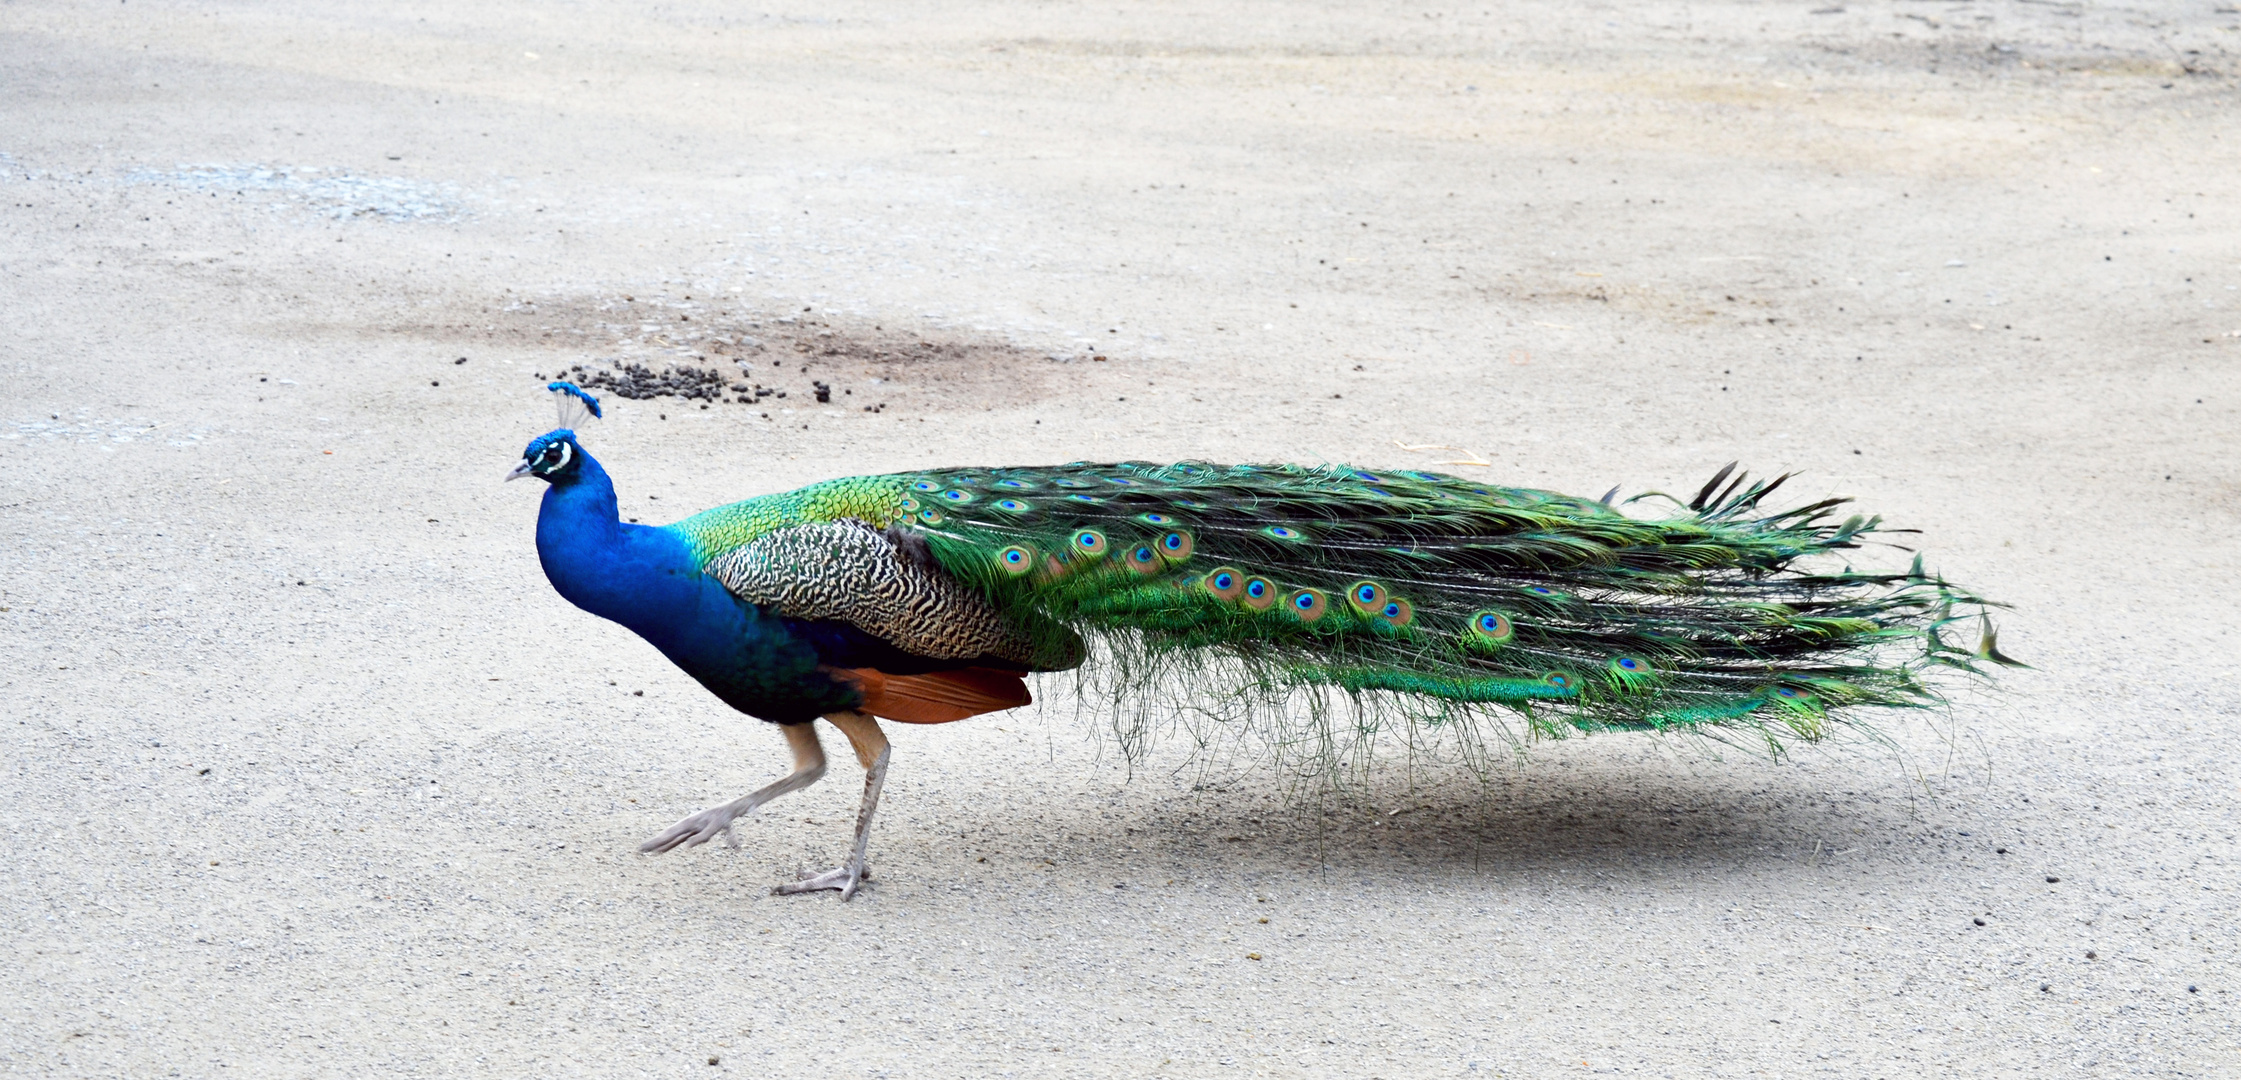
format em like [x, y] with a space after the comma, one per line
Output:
[1416, 592]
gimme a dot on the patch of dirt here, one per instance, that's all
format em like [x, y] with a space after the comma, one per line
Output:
[721, 352]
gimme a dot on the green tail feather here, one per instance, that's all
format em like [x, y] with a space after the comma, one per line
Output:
[1457, 594]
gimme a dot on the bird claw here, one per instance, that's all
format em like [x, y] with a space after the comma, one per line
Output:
[695, 831]
[844, 879]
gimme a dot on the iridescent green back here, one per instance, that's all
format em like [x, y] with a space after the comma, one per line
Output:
[875, 500]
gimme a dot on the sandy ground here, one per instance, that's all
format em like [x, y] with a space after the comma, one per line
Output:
[309, 773]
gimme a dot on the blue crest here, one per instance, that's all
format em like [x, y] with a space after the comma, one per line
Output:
[574, 403]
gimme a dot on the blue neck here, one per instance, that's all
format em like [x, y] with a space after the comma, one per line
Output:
[648, 579]
[641, 576]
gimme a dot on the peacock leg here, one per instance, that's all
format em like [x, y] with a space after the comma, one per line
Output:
[871, 751]
[809, 766]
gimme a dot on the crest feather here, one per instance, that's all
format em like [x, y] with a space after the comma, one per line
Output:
[576, 406]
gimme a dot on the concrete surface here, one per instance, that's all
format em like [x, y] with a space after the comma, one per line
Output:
[310, 774]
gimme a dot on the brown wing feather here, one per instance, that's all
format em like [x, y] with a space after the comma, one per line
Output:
[937, 697]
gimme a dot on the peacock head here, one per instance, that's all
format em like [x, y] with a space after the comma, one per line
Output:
[551, 456]
[555, 455]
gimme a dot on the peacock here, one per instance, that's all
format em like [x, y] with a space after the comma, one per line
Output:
[926, 597]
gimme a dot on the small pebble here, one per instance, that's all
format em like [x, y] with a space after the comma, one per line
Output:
[433, 382]
[1252, 956]
[2192, 990]
[2046, 987]
[2051, 879]
[1979, 922]
[2091, 955]
[714, 1060]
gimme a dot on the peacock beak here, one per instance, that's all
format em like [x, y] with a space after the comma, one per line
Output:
[520, 471]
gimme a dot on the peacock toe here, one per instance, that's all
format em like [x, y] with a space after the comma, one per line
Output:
[843, 879]
[694, 831]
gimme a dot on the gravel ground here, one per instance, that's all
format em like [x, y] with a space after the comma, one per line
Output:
[311, 774]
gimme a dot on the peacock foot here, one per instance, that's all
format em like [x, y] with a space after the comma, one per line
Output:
[843, 878]
[695, 830]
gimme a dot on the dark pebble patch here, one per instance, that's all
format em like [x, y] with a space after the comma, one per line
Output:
[640, 382]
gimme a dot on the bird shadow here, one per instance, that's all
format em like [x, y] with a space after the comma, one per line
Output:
[1623, 812]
